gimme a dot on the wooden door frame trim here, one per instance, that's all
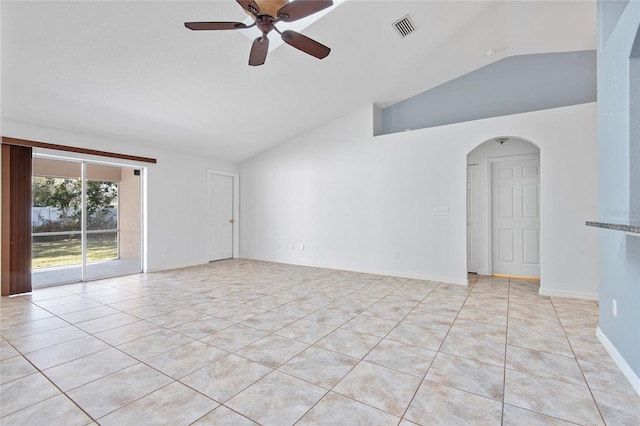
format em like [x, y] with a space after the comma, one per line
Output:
[35, 144]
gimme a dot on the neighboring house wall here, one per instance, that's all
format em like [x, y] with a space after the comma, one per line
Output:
[618, 29]
[353, 200]
[176, 192]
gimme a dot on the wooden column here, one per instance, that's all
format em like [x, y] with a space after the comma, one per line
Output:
[16, 219]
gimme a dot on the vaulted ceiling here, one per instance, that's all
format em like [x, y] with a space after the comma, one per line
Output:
[131, 70]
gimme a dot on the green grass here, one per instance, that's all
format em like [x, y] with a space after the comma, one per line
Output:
[68, 252]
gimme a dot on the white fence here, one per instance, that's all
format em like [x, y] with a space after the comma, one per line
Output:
[41, 215]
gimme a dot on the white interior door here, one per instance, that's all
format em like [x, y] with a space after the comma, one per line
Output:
[472, 219]
[515, 212]
[220, 217]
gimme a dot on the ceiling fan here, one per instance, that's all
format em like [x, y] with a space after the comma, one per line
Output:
[266, 13]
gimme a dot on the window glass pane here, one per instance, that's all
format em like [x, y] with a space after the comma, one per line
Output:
[56, 204]
[49, 251]
[102, 197]
[113, 204]
[102, 246]
[56, 222]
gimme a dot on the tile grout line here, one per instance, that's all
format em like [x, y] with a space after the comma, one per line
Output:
[363, 357]
[309, 346]
[424, 378]
[376, 345]
[577, 362]
[355, 365]
[41, 373]
[139, 361]
[506, 340]
[273, 333]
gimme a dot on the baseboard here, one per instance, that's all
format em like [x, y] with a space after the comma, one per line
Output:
[174, 266]
[568, 294]
[631, 376]
[443, 280]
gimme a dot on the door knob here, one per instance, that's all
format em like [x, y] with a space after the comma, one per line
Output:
[231, 220]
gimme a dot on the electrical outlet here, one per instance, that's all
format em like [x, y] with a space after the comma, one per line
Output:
[396, 254]
[441, 211]
[301, 246]
[614, 308]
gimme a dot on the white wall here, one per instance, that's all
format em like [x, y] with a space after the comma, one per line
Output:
[130, 211]
[353, 199]
[176, 192]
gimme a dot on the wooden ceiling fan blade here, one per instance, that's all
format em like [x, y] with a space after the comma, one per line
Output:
[199, 26]
[250, 6]
[305, 44]
[259, 51]
[299, 9]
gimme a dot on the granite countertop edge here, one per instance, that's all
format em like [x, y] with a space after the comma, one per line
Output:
[632, 226]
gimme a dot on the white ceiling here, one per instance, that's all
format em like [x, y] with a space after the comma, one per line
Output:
[132, 71]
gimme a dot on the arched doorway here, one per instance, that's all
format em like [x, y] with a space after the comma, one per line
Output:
[503, 208]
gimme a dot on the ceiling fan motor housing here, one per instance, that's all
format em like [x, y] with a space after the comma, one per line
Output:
[269, 7]
[264, 23]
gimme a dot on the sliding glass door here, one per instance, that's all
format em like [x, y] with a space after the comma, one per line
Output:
[113, 224]
[56, 222]
[86, 221]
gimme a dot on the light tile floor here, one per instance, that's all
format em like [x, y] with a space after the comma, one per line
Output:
[243, 342]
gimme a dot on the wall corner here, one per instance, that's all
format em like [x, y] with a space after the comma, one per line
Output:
[377, 120]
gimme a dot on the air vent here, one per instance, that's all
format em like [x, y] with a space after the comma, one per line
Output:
[404, 26]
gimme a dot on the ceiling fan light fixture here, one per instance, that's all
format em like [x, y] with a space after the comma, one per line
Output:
[270, 7]
[264, 15]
